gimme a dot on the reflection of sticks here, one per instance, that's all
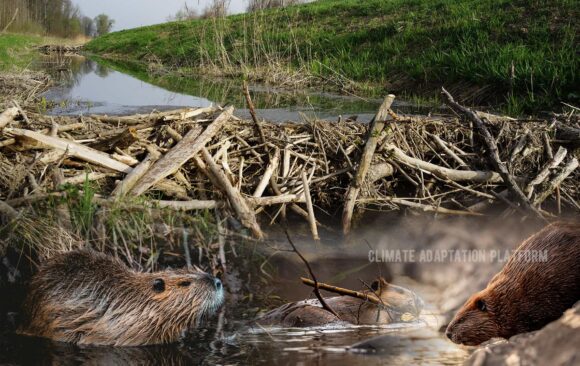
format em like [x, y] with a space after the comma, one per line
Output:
[341, 291]
[315, 281]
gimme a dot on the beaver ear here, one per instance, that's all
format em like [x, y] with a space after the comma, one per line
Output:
[158, 285]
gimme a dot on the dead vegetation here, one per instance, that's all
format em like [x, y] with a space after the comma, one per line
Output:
[22, 86]
[200, 159]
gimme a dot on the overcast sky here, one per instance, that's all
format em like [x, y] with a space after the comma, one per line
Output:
[136, 13]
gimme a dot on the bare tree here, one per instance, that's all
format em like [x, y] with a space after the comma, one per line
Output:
[255, 5]
[217, 9]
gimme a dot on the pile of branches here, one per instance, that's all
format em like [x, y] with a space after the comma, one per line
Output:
[206, 158]
[22, 86]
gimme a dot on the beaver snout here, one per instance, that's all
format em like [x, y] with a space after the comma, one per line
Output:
[214, 282]
[448, 334]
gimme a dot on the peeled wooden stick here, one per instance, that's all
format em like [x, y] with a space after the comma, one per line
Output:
[556, 181]
[375, 130]
[245, 214]
[310, 207]
[493, 154]
[476, 176]
[543, 174]
[73, 149]
[131, 179]
[342, 291]
[185, 149]
[272, 165]
[8, 116]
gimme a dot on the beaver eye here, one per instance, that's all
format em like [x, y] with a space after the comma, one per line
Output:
[184, 283]
[375, 285]
[481, 305]
[158, 285]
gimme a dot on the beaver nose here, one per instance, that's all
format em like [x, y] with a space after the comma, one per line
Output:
[217, 283]
[448, 334]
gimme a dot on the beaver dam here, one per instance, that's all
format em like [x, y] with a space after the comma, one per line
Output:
[463, 163]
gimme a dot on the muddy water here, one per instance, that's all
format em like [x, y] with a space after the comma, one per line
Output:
[91, 86]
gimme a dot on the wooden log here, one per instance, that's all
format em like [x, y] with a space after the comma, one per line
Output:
[243, 211]
[276, 200]
[272, 165]
[475, 176]
[380, 171]
[309, 207]
[8, 116]
[545, 171]
[131, 179]
[65, 128]
[375, 130]
[493, 154]
[420, 206]
[73, 149]
[184, 150]
[443, 145]
[80, 178]
[181, 115]
[556, 181]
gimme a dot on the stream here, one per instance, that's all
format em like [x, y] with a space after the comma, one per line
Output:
[85, 86]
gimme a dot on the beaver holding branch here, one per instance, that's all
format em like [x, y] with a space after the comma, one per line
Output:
[88, 298]
[527, 294]
[397, 304]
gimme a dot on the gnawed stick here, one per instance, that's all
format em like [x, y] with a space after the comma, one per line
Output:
[314, 280]
[310, 207]
[375, 131]
[8, 116]
[184, 150]
[253, 112]
[493, 154]
[342, 291]
[245, 214]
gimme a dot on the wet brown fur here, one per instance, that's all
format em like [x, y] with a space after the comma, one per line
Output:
[85, 297]
[397, 301]
[525, 295]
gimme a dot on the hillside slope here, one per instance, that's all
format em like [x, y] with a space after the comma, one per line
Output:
[522, 54]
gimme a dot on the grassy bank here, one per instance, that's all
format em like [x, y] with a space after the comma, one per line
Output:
[521, 54]
[17, 50]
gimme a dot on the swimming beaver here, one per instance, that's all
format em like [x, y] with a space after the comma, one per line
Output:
[400, 305]
[525, 295]
[86, 297]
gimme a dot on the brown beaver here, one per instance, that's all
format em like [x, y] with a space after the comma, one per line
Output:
[400, 305]
[86, 297]
[526, 294]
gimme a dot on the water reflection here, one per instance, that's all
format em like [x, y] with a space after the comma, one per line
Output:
[102, 87]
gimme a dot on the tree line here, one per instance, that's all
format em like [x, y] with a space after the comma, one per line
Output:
[59, 18]
[220, 8]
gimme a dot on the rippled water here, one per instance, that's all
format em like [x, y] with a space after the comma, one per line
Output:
[229, 340]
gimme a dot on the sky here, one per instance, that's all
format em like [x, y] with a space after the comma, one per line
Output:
[137, 13]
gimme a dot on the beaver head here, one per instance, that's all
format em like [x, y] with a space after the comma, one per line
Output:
[86, 297]
[477, 320]
[398, 304]
[538, 283]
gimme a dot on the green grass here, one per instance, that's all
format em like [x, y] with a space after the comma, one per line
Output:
[401, 46]
[17, 50]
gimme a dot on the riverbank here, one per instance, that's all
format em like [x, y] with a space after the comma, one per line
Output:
[508, 53]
